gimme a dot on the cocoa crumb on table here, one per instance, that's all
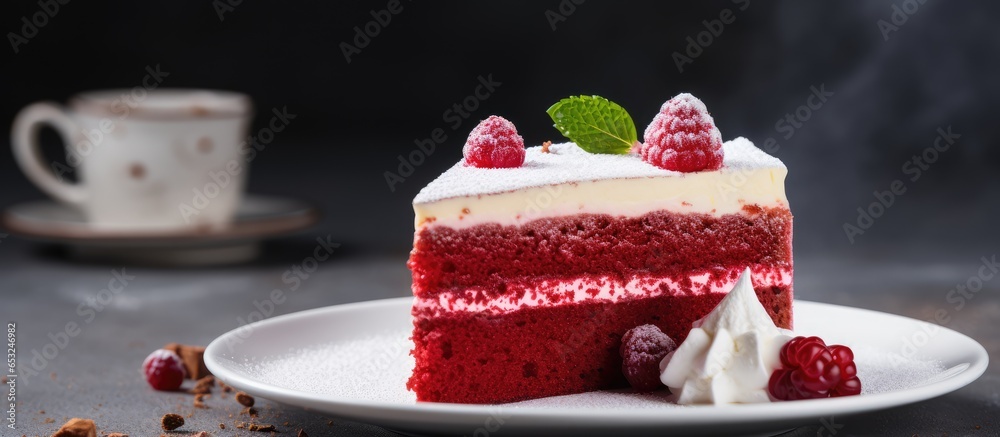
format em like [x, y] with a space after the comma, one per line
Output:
[302, 433]
[199, 400]
[193, 358]
[77, 427]
[250, 411]
[171, 421]
[244, 399]
[203, 385]
[262, 427]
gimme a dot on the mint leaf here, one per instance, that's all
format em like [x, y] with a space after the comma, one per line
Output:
[594, 123]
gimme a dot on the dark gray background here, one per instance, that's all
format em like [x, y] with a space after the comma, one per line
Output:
[353, 120]
[939, 69]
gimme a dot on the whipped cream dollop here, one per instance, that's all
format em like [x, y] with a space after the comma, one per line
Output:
[729, 355]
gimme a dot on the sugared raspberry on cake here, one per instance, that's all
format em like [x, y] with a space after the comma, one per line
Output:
[494, 143]
[527, 278]
[683, 137]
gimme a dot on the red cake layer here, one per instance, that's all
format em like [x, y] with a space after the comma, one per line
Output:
[491, 256]
[470, 357]
[498, 318]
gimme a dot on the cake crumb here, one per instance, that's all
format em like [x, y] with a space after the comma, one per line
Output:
[261, 427]
[203, 385]
[244, 399]
[222, 426]
[77, 427]
[199, 400]
[49, 420]
[193, 358]
[171, 421]
[301, 433]
[117, 434]
[250, 411]
[545, 147]
[201, 434]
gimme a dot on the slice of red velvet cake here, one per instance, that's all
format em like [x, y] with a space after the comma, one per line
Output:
[526, 278]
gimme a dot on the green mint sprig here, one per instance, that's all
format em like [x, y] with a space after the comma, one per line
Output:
[594, 123]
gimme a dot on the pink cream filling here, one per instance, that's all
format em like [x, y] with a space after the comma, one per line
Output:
[593, 289]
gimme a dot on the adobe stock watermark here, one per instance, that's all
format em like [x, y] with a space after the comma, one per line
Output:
[563, 11]
[492, 423]
[223, 7]
[389, 353]
[915, 168]
[121, 107]
[87, 311]
[292, 278]
[454, 117]
[539, 203]
[898, 17]
[364, 34]
[830, 427]
[221, 178]
[958, 297]
[786, 125]
[10, 376]
[697, 44]
[30, 27]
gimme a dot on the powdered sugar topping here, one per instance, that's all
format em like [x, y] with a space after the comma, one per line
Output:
[567, 163]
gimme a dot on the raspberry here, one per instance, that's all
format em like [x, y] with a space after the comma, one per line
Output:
[164, 370]
[642, 349]
[494, 143]
[683, 137]
[811, 370]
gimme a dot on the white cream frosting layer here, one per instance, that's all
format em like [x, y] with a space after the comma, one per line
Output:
[603, 289]
[570, 181]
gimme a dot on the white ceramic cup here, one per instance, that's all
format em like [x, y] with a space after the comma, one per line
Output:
[158, 160]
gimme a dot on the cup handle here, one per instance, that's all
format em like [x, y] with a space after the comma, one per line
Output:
[24, 140]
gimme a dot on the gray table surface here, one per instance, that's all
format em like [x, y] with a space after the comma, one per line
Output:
[96, 374]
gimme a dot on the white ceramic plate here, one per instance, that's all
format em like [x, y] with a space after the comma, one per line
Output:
[352, 361]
